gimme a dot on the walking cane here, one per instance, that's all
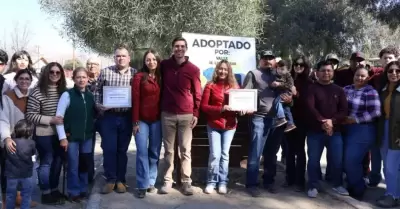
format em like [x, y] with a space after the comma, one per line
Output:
[64, 167]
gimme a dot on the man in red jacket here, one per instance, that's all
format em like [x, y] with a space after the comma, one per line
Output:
[180, 104]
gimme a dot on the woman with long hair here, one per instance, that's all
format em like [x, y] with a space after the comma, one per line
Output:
[13, 110]
[146, 115]
[388, 134]
[41, 110]
[295, 139]
[221, 125]
[78, 109]
[19, 61]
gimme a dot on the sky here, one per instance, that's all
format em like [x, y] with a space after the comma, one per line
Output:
[44, 30]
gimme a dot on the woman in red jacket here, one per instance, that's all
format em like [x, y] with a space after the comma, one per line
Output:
[146, 122]
[221, 125]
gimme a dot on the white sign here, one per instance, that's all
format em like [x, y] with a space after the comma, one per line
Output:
[243, 99]
[117, 96]
[205, 51]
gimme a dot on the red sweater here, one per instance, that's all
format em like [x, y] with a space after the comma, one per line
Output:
[181, 92]
[145, 99]
[215, 96]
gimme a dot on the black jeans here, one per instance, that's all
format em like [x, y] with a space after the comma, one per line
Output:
[3, 179]
[296, 156]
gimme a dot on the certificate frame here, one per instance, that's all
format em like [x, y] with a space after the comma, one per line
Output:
[121, 96]
[243, 99]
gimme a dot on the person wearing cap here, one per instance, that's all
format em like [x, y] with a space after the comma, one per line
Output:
[345, 77]
[334, 59]
[262, 131]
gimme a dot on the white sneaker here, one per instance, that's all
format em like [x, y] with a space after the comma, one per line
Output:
[209, 189]
[222, 189]
[312, 193]
[341, 190]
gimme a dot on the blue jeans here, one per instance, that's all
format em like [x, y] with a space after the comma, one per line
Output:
[51, 156]
[260, 127]
[315, 143]
[218, 160]
[116, 133]
[78, 165]
[148, 145]
[282, 111]
[391, 165]
[26, 192]
[358, 140]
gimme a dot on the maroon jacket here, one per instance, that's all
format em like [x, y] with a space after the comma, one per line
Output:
[145, 99]
[181, 92]
[215, 96]
[326, 102]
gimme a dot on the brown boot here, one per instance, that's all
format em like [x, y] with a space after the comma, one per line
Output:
[121, 188]
[107, 188]
[18, 201]
[3, 199]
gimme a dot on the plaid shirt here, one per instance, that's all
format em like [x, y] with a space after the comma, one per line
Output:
[364, 103]
[110, 76]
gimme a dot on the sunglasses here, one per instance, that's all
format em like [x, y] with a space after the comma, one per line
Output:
[52, 72]
[391, 71]
[299, 64]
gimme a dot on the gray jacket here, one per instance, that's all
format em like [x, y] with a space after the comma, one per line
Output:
[20, 165]
[260, 80]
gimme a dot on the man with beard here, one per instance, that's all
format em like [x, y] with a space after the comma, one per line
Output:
[180, 104]
[262, 131]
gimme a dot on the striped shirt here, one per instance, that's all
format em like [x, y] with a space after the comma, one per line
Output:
[41, 109]
[364, 103]
[111, 76]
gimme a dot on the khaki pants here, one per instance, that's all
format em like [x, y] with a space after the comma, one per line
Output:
[171, 125]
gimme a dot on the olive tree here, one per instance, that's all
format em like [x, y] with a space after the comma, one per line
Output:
[100, 24]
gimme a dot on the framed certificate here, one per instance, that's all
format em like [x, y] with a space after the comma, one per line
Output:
[117, 96]
[243, 99]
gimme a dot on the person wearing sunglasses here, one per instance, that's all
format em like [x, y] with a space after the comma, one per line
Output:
[41, 110]
[388, 136]
[386, 55]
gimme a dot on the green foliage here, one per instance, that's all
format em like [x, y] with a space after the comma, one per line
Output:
[387, 11]
[312, 27]
[69, 64]
[100, 24]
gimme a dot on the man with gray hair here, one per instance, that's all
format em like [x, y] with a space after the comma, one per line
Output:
[93, 68]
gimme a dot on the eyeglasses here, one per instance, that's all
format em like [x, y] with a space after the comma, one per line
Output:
[52, 72]
[24, 79]
[391, 71]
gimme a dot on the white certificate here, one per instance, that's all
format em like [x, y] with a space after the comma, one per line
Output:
[243, 99]
[117, 96]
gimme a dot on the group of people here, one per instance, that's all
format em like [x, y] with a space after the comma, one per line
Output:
[351, 112]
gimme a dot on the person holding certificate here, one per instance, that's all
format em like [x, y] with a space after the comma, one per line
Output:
[113, 100]
[146, 115]
[221, 125]
[261, 126]
[78, 109]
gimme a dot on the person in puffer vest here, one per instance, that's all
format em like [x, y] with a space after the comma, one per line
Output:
[78, 109]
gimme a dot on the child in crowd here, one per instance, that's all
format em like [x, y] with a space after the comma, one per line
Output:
[283, 84]
[19, 165]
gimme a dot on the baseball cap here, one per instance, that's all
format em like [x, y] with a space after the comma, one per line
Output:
[267, 53]
[332, 57]
[357, 56]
